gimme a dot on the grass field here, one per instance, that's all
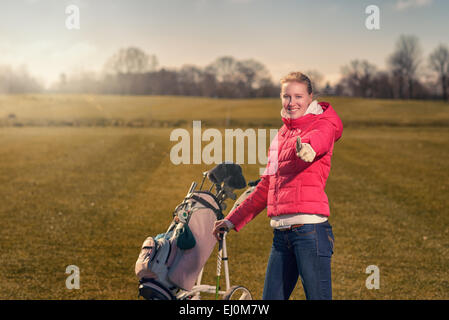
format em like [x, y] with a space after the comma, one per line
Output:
[85, 179]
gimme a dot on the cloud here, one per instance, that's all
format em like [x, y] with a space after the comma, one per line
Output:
[406, 4]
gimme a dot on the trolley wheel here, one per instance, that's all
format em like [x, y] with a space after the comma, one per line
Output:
[238, 293]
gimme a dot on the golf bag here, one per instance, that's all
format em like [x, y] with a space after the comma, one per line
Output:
[172, 261]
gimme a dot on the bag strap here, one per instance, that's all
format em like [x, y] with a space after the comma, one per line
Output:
[205, 203]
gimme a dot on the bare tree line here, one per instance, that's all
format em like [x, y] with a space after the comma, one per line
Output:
[132, 71]
[17, 81]
[409, 75]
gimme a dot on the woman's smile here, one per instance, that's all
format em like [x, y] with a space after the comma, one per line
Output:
[292, 109]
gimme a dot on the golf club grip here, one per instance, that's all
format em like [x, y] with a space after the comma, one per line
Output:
[298, 144]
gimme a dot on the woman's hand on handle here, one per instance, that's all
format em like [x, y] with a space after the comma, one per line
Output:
[221, 227]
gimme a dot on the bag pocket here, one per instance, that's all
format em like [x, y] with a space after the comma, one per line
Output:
[146, 255]
[185, 239]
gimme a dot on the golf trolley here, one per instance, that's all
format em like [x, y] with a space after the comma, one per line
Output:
[170, 266]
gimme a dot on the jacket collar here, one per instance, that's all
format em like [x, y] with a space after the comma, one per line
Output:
[301, 122]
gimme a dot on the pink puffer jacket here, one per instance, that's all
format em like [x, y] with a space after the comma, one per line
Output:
[295, 186]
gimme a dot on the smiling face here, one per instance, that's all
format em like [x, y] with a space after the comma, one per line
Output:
[295, 98]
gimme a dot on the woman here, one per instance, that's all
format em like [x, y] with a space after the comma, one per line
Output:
[292, 190]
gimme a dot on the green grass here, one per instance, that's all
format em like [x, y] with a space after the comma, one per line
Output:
[89, 196]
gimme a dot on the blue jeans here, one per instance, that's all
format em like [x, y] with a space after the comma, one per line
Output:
[306, 252]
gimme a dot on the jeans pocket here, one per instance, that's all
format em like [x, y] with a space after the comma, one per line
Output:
[325, 242]
[330, 236]
[305, 230]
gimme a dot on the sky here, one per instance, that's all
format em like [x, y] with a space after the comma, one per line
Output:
[284, 35]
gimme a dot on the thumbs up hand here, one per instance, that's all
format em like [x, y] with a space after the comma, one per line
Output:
[304, 151]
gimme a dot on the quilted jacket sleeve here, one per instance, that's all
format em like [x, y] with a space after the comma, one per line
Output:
[323, 135]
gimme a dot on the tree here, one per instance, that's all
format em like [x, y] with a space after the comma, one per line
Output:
[131, 61]
[253, 73]
[358, 77]
[382, 85]
[404, 62]
[238, 79]
[18, 80]
[327, 90]
[317, 79]
[439, 63]
[225, 69]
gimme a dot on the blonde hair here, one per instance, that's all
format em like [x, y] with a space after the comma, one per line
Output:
[298, 77]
